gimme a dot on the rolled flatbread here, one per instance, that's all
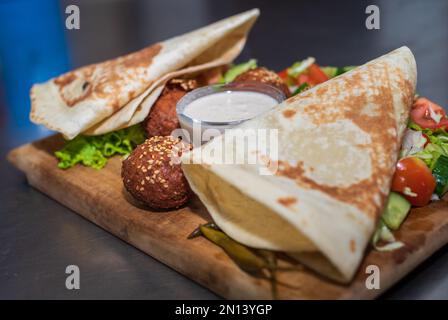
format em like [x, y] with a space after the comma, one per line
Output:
[331, 167]
[104, 97]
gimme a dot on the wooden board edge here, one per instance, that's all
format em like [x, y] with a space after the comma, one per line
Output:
[20, 159]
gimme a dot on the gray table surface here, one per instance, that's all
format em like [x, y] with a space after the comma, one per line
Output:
[39, 237]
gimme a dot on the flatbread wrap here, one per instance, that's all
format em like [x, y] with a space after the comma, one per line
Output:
[331, 173]
[107, 96]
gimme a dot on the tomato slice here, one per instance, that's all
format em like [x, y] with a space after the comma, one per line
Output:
[302, 78]
[424, 111]
[414, 181]
[316, 74]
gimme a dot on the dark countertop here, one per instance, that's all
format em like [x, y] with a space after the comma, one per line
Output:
[39, 237]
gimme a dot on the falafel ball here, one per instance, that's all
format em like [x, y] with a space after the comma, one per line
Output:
[151, 176]
[162, 119]
[264, 75]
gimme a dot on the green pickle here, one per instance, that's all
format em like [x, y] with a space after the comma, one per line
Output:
[241, 255]
[252, 261]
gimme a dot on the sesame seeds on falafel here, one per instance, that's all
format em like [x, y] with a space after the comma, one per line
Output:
[152, 162]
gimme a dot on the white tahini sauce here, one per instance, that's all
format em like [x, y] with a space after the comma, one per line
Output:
[229, 106]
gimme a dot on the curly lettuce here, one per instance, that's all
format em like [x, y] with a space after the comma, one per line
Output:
[93, 151]
[437, 147]
[236, 70]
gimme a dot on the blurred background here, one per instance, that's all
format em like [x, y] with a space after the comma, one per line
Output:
[35, 45]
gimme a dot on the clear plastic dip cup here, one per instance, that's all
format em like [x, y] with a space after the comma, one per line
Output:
[206, 112]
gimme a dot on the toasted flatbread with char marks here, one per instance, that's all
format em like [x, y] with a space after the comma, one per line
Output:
[318, 190]
[107, 96]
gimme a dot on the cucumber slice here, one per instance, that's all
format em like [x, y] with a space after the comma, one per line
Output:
[440, 172]
[396, 210]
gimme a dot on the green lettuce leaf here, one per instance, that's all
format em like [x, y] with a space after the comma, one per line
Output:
[438, 145]
[93, 151]
[238, 69]
[301, 88]
[385, 235]
[345, 69]
[332, 72]
[300, 66]
[435, 155]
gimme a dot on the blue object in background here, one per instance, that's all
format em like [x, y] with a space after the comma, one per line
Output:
[33, 49]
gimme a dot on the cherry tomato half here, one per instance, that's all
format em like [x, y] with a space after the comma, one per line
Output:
[414, 181]
[421, 114]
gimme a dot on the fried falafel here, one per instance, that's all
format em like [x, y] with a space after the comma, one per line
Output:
[266, 76]
[151, 175]
[162, 119]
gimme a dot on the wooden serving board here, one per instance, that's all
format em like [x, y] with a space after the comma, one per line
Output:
[98, 195]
